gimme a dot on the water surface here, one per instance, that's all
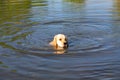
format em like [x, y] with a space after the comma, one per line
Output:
[27, 27]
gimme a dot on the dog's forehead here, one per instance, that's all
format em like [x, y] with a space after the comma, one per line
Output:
[61, 36]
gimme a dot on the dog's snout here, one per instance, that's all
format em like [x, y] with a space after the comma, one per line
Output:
[65, 43]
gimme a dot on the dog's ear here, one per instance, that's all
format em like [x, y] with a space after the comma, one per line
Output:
[54, 42]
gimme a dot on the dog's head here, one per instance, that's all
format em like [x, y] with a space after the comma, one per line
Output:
[60, 41]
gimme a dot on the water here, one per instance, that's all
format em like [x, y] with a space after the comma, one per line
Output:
[27, 27]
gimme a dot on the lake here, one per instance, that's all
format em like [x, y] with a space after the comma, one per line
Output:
[92, 28]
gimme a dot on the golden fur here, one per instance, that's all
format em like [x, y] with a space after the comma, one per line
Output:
[59, 42]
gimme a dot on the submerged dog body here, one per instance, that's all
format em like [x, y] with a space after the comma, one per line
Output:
[59, 42]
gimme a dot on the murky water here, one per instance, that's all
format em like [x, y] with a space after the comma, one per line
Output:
[27, 27]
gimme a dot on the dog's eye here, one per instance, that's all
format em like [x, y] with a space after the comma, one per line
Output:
[60, 39]
[65, 39]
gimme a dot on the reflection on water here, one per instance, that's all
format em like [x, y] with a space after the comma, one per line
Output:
[27, 27]
[117, 9]
[76, 1]
[10, 9]
[38, 3]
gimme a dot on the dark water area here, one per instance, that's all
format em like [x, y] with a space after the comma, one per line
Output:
[92, 28]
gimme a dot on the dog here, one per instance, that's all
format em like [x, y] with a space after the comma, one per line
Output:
[59, 42]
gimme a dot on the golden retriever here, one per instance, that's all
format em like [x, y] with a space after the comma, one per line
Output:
[59, 42]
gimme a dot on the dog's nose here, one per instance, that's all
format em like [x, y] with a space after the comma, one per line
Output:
[65, 43]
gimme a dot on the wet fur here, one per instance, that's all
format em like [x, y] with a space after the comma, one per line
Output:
[63, 41]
